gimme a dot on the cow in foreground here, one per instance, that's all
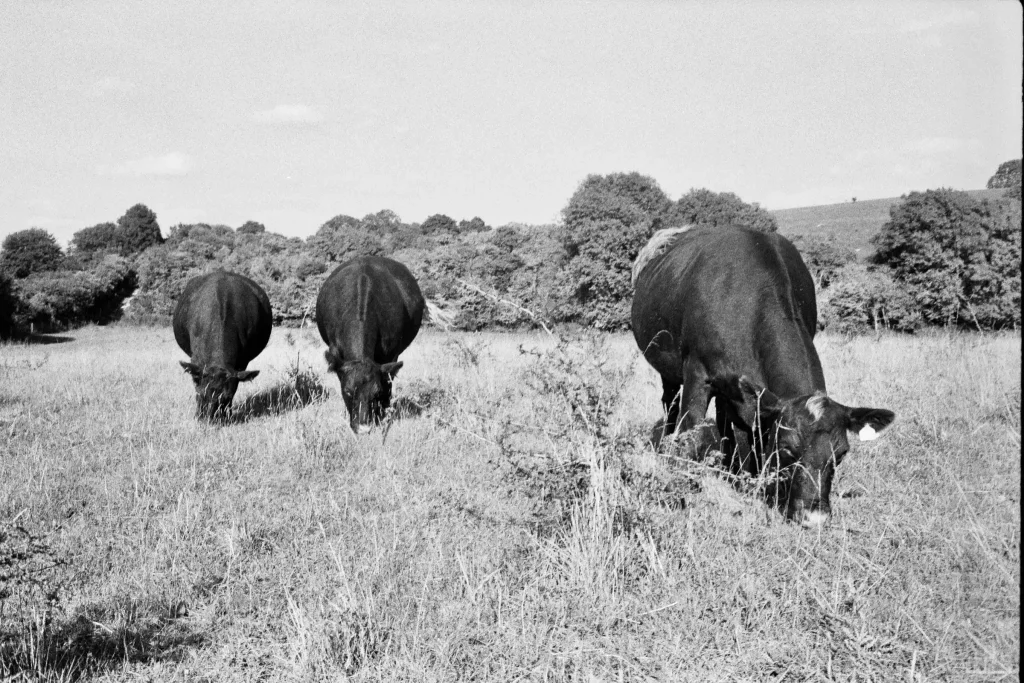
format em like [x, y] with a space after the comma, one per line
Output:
[730, 313]
[368, 312]
[222, 321]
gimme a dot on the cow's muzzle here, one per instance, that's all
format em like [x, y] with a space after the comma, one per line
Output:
[810, 515]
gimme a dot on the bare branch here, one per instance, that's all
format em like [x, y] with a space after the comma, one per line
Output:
[506, 302]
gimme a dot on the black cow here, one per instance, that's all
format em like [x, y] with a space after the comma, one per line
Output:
[730, 313]
[368, 312]
[222, 321]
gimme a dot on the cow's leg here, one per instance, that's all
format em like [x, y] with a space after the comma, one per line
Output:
[736, 442]
[693, 404]
[670, 400]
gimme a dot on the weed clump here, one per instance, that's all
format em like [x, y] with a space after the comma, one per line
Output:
[301, 387]
[28, 584]
[29, 593]
[572, 455]
[418, 397]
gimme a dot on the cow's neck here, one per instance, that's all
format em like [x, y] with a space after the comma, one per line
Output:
[788, 359]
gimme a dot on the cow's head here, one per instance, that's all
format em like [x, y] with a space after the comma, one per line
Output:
[808, 434]
[215, 388]
[365, 387]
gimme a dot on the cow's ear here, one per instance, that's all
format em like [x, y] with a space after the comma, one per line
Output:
[246, 375]
[192, 369]
[333, 364]
[391, 369]
[867, 422]
[748, 399]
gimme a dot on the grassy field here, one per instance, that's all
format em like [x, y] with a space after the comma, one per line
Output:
[512, 525]
[852, 223]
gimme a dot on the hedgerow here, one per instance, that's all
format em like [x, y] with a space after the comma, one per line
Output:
[943, 258]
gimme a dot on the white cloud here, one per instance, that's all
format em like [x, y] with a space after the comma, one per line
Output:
[288, 114]
[114, 84]
[171, 164]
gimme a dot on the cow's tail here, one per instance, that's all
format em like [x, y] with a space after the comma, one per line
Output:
[438, 317]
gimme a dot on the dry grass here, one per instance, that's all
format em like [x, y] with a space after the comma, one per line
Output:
[512, 526]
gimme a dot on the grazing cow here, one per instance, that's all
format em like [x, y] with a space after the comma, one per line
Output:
[222, 321]
[368, 312]
[730, 313]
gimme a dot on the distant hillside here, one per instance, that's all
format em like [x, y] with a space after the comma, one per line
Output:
[853, 223]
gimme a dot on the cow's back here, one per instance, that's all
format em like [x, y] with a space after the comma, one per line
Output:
[223, 319]
[370, 306]
[715, 294]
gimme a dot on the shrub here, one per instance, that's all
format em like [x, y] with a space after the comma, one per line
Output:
[862, 298]
[824, 256]
[960, 258]
[309, 266]
[163, 272]
[201, 232]
[61, 299]
[30, 251]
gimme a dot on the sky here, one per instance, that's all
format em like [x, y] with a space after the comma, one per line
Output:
[290, 113]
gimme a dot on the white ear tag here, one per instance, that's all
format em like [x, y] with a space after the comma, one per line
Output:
[867, 433]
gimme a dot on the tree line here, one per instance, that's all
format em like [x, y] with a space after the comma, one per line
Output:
[943, 258]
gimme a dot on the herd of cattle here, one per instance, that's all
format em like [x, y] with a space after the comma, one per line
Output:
[721, 313]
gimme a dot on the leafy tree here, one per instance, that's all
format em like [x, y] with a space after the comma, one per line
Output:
[719, 208]
[476, 224]
[137, 230]
[625, 197]
[607, 221]
[382, 223]
[960, 258]
[252, 228]
[439, 223]
[100, 238]
[7, 306]
[30, 251]
[344, 237]
[1007, 175]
